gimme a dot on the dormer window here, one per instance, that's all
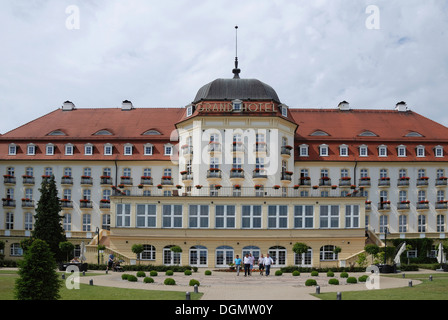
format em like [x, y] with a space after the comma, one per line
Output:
[368, 133]
[363, 151]
[168, 149]
[31, 150]
[323, 150]
[12, 150]
[108, 149]
[88, 149]
[438, 151]
[318, 133]
[343, 150]
[284, 111]
[152, 132]
[128, 149]
[237, 105]
[49, 149]
[420, 151]
[401, 150]
[103, 133]
[69, 149]
[303, 150]
[382, 151]
[189, 110]
[147, 148]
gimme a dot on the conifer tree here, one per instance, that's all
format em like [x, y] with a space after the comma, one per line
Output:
[38, 279]
[48, 222]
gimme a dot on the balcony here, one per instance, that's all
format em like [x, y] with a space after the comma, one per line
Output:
[403, 205]
[214, 173]
[67, 180]
[236, 173]
[325, 182]
[9, 203]
[305, 182]
[85, 204]
[104, 204]
[106, 180]
[384, 205]
[9, 179]
[260, 147]
[214, 147]
[28, 180]
[260, 173]
[167, 181]
[146, 181]
[286, 151]
[345, 182]
[384, 182]
[66, 204]
[441, 182]
[126, 180]
[422, 182]
[368, 205]
[364, 182]
[27, 203]
[187, 151]
[442, 205]
[237, 147]
[86, 180]
[187, 176]
[422, 205]
[286, 176]
[403, 182]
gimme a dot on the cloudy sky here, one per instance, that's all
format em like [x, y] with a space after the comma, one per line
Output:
[315, 54]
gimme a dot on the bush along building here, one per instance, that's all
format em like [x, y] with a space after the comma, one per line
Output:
[235, 171]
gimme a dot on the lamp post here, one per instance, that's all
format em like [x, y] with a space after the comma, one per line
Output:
[97, 231]
[385, 245]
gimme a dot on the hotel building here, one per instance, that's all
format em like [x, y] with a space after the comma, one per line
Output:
[235, 171]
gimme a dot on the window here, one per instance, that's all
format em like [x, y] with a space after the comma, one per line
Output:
[28, 219]
[88, 149]
[284, 111]
[440, 173]
[327, 253]
[420, 151]
[167, 172]
[383, 173]
[127, 172]
[149, 252]
[168, 150]
[86, 220]
[251, 217]
[189, 111]
[440, 223]
[172, 216]
[16, 250]
[323, 149]
[344, 173]
[421, 173]
[170, 257]
[440, 195]
[363, 151]
[343, 151]
[303, 150]
[384, 223]
[49, 149]
[146, 216]
[148, 149]
[352, 216]
[421, 224]
[324, 173]
[421, 196]
[364, 173]
[236, 105]
[401, 151]
[382, 151]
[67, 222]
[31, 150]
[198, 216]
[12, 150]
[87, 172]
[402, 223]
[402, 196]
[237, 163]
[48, 171]
[69, 149]
[67, 194]
[123, 215]
[278, 217]
[303, 217]
[402, 173]
[108, 149]
[438, 151]
[128, 149]
[9, 221]
[225, 216]
[329, 216]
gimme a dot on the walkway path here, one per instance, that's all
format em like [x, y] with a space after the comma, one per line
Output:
[228, 286]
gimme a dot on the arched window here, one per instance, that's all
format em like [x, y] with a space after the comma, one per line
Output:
[224, 256]
[278, 254]
[171, 257]
[198, 256]
[327, 253]
[149, 252]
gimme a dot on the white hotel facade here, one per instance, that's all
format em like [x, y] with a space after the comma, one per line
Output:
[235, 171]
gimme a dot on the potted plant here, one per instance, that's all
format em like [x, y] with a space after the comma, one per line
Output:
[276, 187]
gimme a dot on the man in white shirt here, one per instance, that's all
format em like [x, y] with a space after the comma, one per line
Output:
[247, 262]
[261, 264]
[267, 264]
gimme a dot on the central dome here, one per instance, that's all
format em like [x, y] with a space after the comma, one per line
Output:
[236, 88]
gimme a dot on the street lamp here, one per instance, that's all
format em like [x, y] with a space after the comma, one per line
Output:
[385, 244]
[97, 231]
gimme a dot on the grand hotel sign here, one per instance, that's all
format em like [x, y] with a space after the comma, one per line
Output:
[236, 106]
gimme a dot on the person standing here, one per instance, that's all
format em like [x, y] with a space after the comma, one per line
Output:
[261, 264]
[238, 264]
[246, 265]
[252, 259]
[267, 264]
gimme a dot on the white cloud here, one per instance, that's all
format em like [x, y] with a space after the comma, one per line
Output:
[313, 53]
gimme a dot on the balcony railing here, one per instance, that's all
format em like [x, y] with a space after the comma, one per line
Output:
[441, 205]
[126, 181]
[67, 180]
[422, 205]
[305, 181]
[203, 191]
[403, 182]
[260, 174]
[237, 147]
[214, 173]
[85, 180]
[324, 182]
[441, 181]
[9, 203]
[285, 150]
[8, 179]
[187, 176]
[187, 150]
[167, 181]
[106, 180]
[345, 182]
[85, 204]
[286, 176]
[27, 203]
[28, 180]
[65, 203]
[236, 174]
[422, 182]
[146, 181]
[384, 182]
[214, 147]
[403, 205]
[384, 205]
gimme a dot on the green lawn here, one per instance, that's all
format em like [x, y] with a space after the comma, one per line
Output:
[87, 292]
[427, 290]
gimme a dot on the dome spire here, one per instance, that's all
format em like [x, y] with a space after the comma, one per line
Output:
[236, 71]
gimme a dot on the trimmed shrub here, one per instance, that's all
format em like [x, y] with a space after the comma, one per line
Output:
[193, 282]
[208, 273]
[124, 276]
[314, 273]
[148, 280]
[169, 273]
[352, 280]
[330, 274]
[278, 273]
[132, 278]
[333, 281]
[153, 273]
[187, 272]
[310, 282]
[344, 274]
[169, 282]
[295, 273]
[141, 274]
[363, 278]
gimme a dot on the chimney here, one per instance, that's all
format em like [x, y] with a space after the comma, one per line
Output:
[68, 106]
[401, 107]
[344, 106]
[126, 105]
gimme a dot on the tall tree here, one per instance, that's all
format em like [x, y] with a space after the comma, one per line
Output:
[38, 279]
[48, 225]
